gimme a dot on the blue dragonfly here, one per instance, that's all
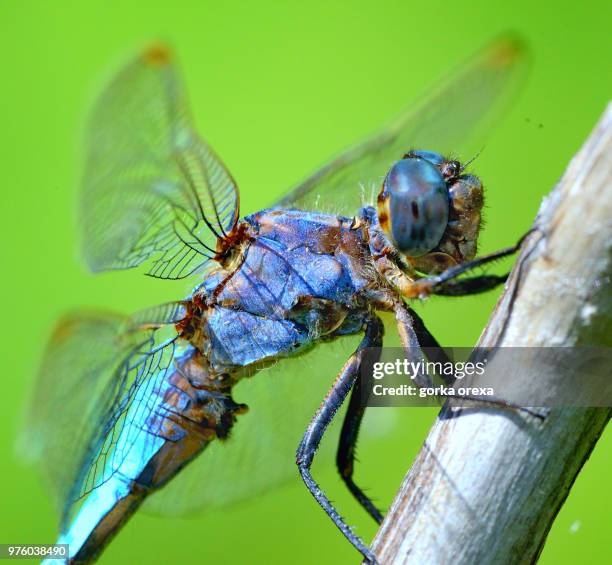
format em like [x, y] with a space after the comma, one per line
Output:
[125, 405]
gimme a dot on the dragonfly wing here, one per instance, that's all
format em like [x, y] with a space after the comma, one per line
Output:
[152, 191]
[260, 453]
[282, 398]
[98, 374]
[449, 121]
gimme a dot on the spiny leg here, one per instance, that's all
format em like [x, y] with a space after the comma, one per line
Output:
[445, 285]
[433, 349]
[321, 420]
[357, 404]
[472, 285]
[345, 458]
[405, 319]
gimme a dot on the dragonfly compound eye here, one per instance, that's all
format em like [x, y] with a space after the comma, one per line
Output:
[413, 206]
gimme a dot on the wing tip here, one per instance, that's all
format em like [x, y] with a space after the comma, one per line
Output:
[71, 324]
[64, 329]
[507, 50]
[157, 55]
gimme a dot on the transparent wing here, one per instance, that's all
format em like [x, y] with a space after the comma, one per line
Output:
[449, 121]
[260, 453]
[98, 371]
[152, 190]
[282, 399]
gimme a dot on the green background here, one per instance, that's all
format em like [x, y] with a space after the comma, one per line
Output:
[277, 88]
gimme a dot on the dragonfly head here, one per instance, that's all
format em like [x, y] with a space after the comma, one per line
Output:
[430, 210]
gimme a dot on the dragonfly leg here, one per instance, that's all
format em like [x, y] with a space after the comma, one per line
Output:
[345, 458]
[407, 322]
[444, 283]
[433, 349]
[472, 285]
[316, 429]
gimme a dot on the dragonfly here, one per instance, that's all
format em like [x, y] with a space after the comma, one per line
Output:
[125, 406]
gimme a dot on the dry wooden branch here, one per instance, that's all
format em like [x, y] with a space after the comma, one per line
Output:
[487, 485]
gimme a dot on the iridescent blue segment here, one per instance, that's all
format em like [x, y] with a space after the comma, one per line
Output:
[431, 156]
[118, 488]
[417, 205]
